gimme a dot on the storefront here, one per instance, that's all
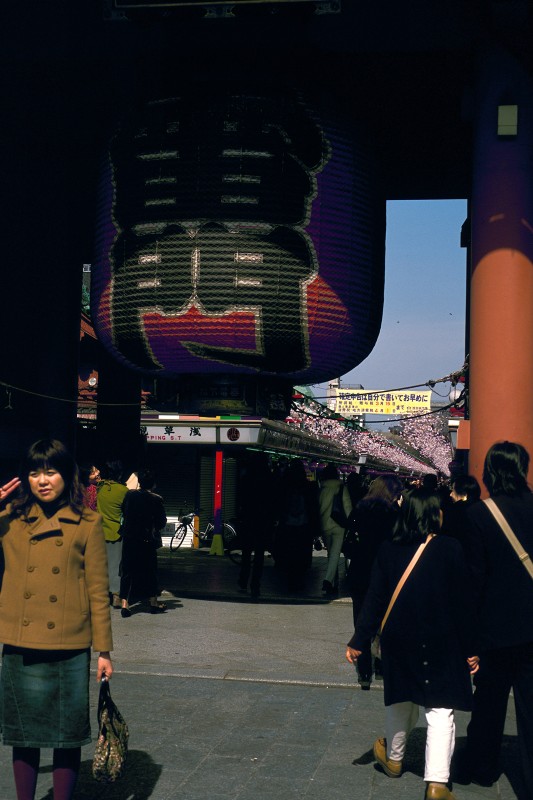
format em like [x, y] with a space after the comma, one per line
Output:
[184, 453]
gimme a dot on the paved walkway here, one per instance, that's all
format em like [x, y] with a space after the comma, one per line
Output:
[232, 700]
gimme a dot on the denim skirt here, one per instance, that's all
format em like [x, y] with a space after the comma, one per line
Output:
[44, 697]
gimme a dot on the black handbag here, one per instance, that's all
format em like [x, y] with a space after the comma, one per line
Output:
[350, 542]
[338, 515]
[156, 540]
[112, 743]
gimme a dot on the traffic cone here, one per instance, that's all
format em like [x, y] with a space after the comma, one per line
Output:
[217, 545]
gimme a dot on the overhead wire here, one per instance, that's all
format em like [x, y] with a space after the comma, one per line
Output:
[430, 383]
[59, 399]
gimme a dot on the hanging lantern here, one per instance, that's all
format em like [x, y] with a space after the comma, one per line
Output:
[239, 234]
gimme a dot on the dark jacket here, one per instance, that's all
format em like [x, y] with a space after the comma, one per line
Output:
[456, 522]
[299, 508]
[430, 630]
[144, 513]
[373, 523]
[504, 589]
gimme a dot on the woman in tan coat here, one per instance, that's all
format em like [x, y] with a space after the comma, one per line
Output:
[54, 605]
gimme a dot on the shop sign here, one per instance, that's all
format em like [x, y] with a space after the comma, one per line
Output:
[235, 435]
[174, 434]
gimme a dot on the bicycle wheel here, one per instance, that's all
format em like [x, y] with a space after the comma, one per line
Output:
[179, 535]
[206, 536]
[232, 546]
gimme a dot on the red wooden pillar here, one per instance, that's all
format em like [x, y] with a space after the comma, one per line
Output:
[217, 546]
[501, 302]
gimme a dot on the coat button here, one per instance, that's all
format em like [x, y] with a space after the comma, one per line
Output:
[31, 568]
[53, 598]
[59, 542]
[33, 541]
[25, 622]
[426, 681]
[55, 570]
[425, 663]
[27, 595]
[50, 625]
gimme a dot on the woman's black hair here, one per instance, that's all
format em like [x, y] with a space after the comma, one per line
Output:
[44, 454]
[420, 515]
[85, 470]
[467, 485]
[146, 478]
[505, 469]
[329, 472]
[112, 470]
[430, 482]
[295, 474]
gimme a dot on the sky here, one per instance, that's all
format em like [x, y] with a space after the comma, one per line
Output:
[423, 328]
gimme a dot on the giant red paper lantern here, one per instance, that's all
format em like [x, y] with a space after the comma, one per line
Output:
[239, 233]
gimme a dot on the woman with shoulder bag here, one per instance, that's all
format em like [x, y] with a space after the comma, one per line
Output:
[419, 598]
[502, 575]
[54, 605]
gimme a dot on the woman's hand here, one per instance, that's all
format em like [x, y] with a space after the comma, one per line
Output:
[473, 663]
[105, 667]
[9, 487]
[352, 655]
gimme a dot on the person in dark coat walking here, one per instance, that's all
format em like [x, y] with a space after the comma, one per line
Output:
[371, 522]
[299, 524]
[427, 643]
[144, 518]
[504, 592]
[257, 511]
[465, 491]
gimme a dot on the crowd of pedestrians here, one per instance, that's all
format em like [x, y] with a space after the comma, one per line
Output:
[430, 560]
[441, 592]
[449, 596]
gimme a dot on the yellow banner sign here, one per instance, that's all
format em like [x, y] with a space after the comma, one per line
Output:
[354, 402]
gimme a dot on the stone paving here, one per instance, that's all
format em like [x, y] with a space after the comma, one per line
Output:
[232, 700]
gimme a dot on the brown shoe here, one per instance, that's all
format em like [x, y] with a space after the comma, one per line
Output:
[391, 768]
[439, 791]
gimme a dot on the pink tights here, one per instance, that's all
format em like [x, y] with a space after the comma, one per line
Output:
[26, 768]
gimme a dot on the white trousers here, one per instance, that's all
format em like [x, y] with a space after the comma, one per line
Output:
[401, 718]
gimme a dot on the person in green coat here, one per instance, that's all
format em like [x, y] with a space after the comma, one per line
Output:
[111, 493]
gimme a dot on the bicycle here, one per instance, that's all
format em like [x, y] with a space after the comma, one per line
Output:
[229, 537]
[182, 528]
